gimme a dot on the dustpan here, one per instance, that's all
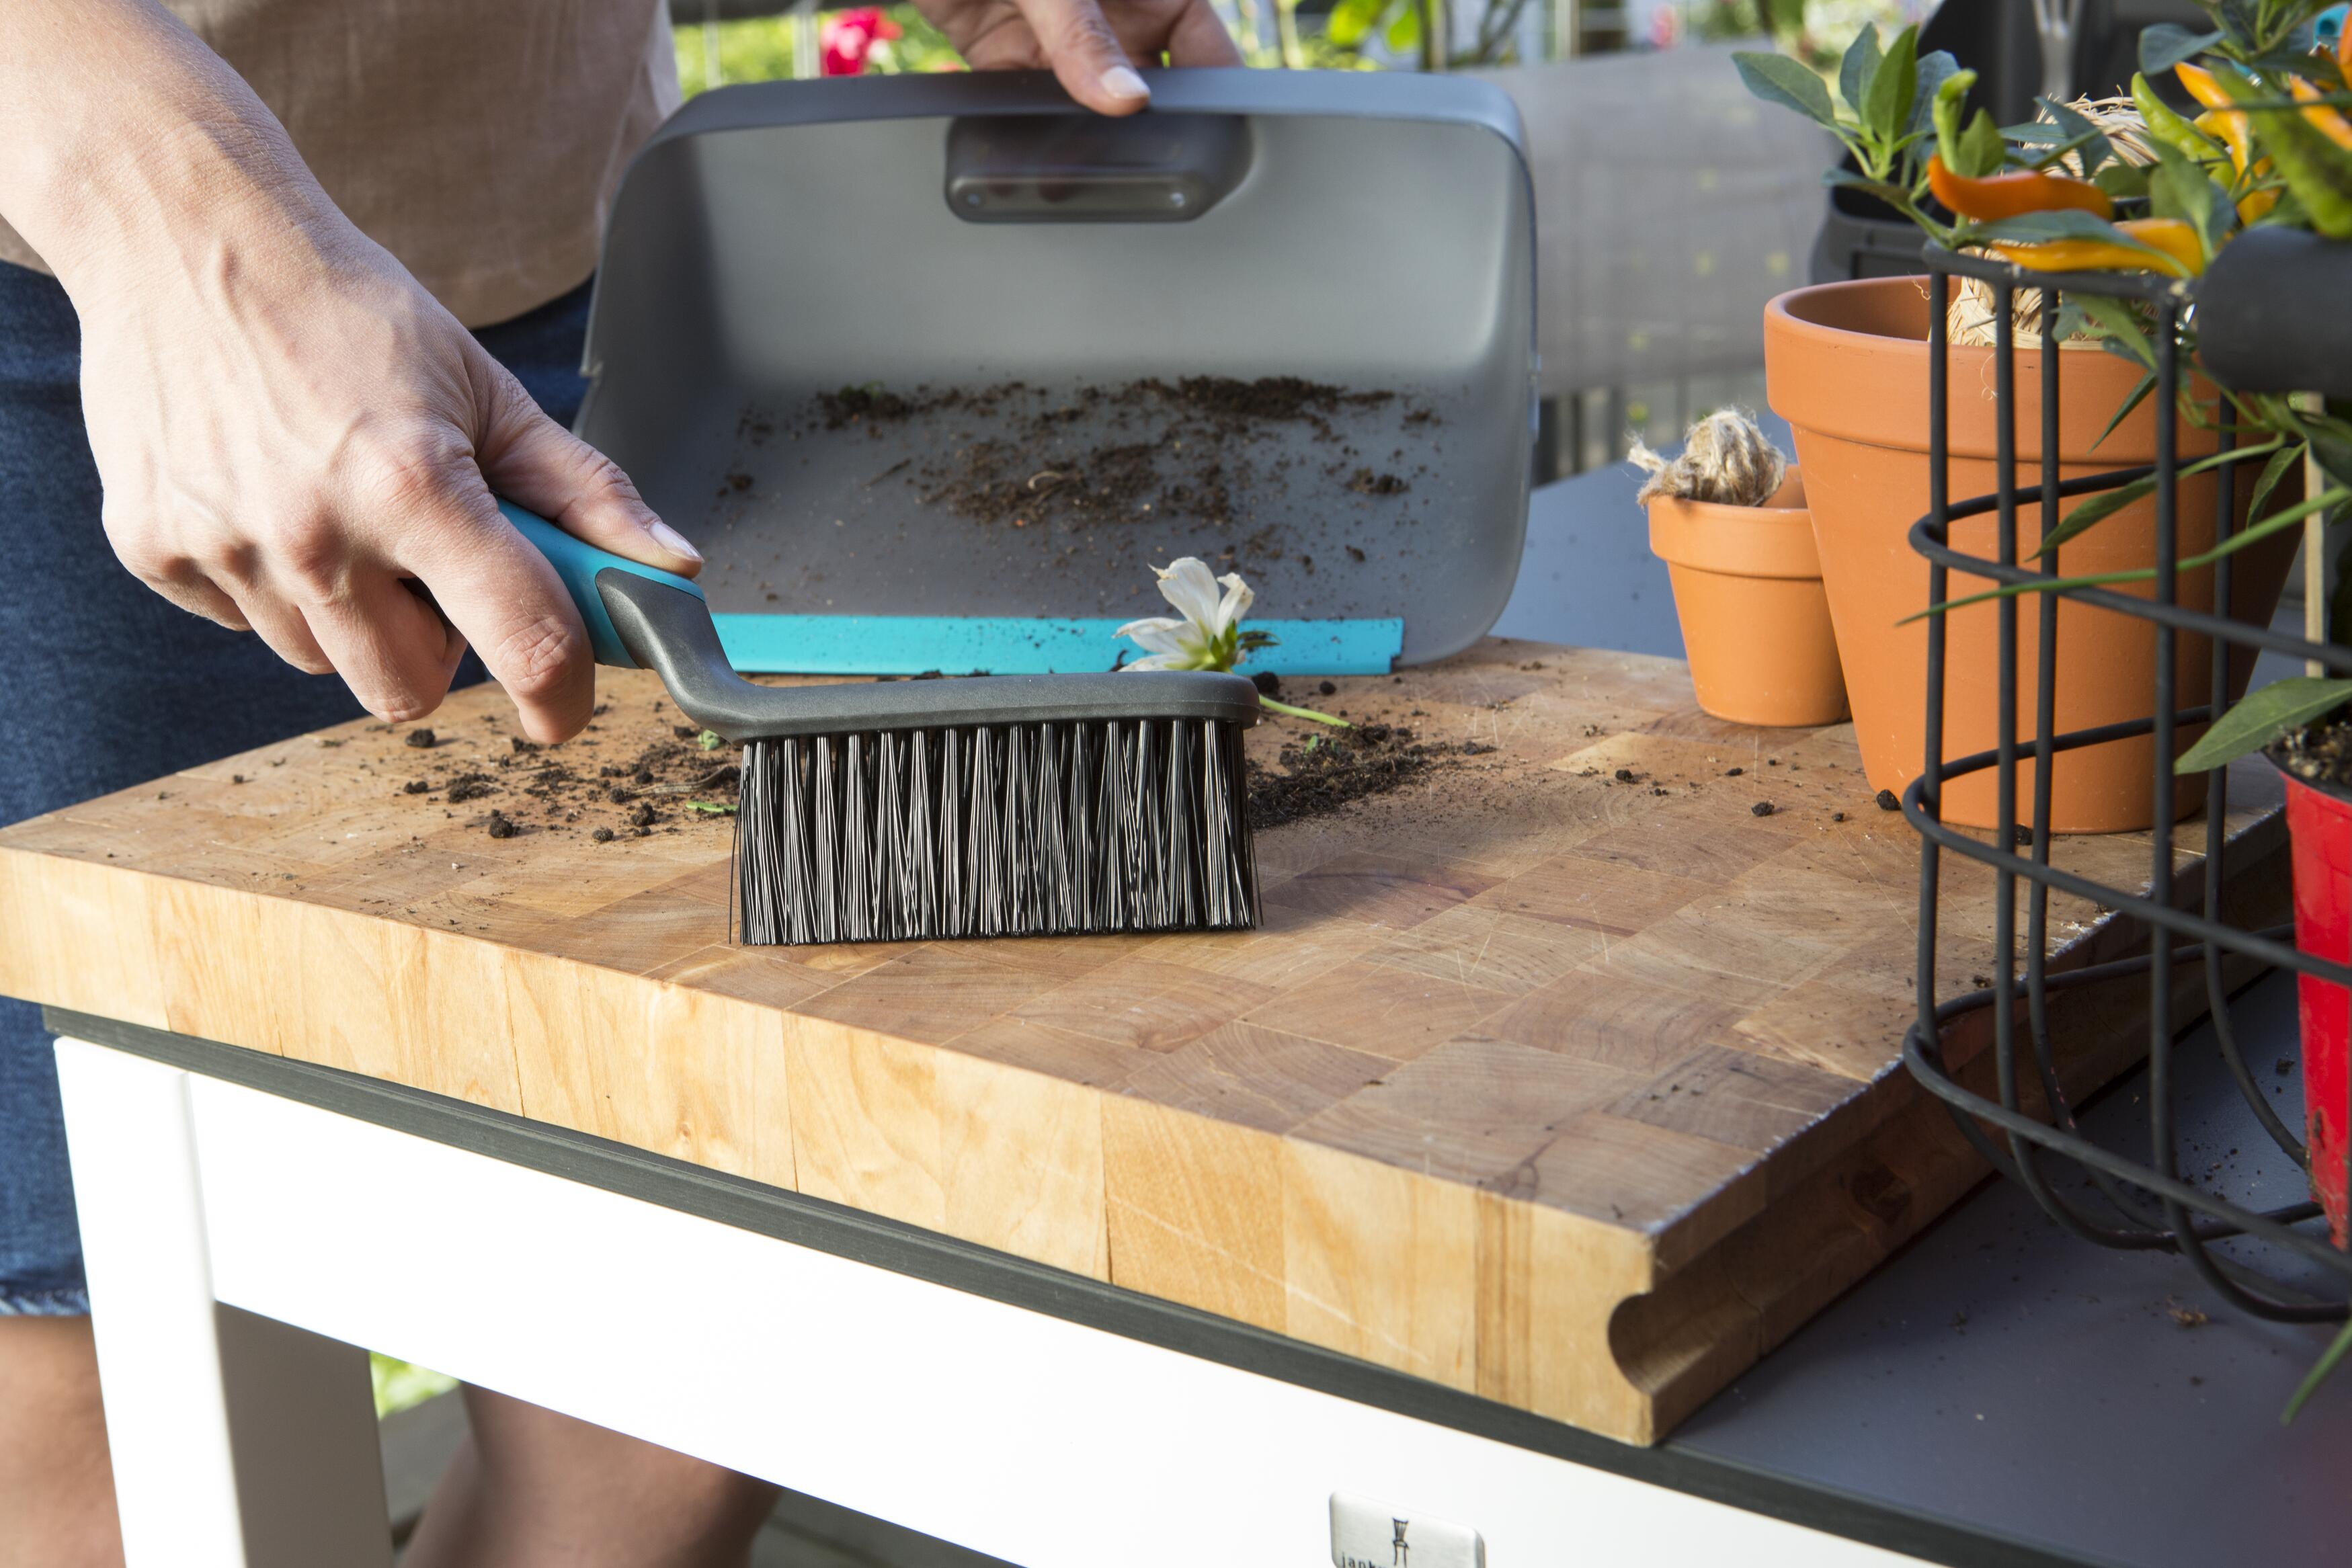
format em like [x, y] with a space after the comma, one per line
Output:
[934, 369]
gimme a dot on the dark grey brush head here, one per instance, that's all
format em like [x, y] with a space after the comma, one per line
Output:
[671, 634]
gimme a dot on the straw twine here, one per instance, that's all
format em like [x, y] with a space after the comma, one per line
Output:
[1724, 459]
[1971, 320]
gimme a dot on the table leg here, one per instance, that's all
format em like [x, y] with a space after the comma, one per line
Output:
[238, 1442]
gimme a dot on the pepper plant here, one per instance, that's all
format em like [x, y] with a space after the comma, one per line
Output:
[2270, 146]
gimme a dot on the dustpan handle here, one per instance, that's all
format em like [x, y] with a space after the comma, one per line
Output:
[577, 562]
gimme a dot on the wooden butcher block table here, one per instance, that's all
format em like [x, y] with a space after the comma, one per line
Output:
[1565, 1074]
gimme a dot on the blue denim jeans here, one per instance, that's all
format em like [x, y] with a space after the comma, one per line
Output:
[103, 684]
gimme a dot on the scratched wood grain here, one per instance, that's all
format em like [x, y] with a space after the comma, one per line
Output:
[1561, 1075]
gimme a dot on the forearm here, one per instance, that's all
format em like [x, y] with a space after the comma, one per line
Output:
[127, 146]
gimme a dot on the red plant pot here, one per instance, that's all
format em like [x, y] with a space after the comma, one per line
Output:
[2320, 822]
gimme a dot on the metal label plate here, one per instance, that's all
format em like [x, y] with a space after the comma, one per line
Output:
[1370, 1534]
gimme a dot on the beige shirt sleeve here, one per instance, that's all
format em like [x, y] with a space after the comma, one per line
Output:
[479, 143]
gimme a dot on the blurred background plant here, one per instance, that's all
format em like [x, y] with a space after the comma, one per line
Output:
[1318, 35]
[399, 1385]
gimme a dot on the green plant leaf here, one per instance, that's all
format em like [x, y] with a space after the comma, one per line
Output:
[2123, 410]
[2261, 718]
[2332, 450]
[2329, 1359]
[1891, 87]
[710, 740]
[2107, 503]
[2282, 462]
[2117, 325]
[711, 808]
[2252, 536]
[2122, 180]
[2065, 223]
[1859, 67]
[1936, 68]
[2281, 63]
[2178, 188]
[1982, 152]
[2317, 171]
[2097, 149]
[2167, 44]
[1944, 108]
[2095, 510]
[1778, 80]
[1352, 21]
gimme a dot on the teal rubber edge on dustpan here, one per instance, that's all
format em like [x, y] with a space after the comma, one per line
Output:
[917, 644]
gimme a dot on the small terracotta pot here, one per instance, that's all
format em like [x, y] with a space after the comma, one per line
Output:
[1846, 365]
[1756, 623]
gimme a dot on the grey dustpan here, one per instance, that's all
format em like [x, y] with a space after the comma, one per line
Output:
[1029, 322]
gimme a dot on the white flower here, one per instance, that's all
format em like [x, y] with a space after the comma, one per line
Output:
[1209, 636]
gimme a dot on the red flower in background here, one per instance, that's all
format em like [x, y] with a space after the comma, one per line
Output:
[848, 37]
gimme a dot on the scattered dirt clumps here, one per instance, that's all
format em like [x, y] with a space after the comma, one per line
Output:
[533, 788]
[1332, 768]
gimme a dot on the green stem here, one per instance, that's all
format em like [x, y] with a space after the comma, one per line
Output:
[2327, 1362]
[1303, 713]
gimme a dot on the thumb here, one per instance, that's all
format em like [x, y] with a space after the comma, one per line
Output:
[532, 461]
[1086, 55]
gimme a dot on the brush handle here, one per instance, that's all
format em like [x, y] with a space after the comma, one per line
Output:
[639, 617]
[577, 562]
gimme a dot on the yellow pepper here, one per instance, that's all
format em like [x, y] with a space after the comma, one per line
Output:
[2330, 123]
[2174, 239]
[2228, 126]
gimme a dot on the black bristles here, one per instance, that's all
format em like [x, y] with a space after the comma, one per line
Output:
[1016, 830]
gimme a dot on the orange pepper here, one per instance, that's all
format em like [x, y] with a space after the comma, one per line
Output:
[2014, 194]
[2329, 121]
[2175, 239]
[2202, 85]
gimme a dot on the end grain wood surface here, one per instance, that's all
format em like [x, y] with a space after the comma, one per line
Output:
[1560, 1075]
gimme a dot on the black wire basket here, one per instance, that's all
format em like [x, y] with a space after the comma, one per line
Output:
[2279, 1262]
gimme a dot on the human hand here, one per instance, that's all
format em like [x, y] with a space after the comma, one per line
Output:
[1090, 44]
[288, 443]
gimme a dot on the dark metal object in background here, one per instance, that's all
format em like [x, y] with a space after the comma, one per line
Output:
[2272, 1263]
[2262, 315]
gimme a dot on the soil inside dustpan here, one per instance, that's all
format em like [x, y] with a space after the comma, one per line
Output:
[1018, 498]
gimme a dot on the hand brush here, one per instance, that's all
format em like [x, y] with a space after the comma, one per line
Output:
[986, 806]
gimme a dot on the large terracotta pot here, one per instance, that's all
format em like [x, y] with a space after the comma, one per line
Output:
[1846, 365]
[1756, 624]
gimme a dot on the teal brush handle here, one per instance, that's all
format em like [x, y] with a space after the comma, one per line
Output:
[577, 562]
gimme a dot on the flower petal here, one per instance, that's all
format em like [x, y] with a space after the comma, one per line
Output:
[1236, 604]
[1159, 662]
[1160, 633]
[1186, 585]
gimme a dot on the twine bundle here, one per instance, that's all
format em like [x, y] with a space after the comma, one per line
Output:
[1726, 459]
[1971, 320]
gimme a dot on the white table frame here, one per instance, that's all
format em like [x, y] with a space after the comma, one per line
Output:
[242, 1242]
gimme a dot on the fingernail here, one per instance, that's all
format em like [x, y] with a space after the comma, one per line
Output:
[670, 539]
[1119, 81]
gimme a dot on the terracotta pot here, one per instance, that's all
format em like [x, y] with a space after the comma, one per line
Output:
[2319, 821]
[1756, 623]
[1846, 365]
